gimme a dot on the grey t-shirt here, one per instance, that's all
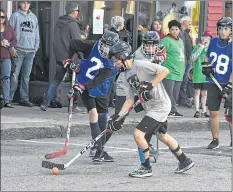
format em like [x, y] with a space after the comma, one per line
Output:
[159, 106]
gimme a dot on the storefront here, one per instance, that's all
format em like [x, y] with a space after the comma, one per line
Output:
[135, 13]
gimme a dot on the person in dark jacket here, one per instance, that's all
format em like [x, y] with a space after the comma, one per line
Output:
[186, 92]
[67, 28]
[8, 42]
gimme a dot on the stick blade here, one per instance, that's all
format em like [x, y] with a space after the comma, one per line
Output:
[50, 165]
[55, 154]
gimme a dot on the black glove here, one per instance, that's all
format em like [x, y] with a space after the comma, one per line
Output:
[139, 107]
[115, 125]
[207, 69]
[145, 91]
[79, 87]
[73, 94]
[227, 90]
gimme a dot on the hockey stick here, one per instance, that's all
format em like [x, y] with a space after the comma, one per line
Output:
[51, 165]
[65, 149]
[216, 82]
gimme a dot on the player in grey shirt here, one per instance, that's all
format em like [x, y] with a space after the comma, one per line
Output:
[145, 79]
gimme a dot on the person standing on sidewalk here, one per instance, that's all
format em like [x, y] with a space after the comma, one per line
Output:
[219, 56]
[25, 25]
[66, 28]
[175, 62]
[198, 78]
[8, 41]
[185, 95]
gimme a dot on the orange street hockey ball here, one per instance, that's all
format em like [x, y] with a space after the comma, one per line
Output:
[55, 171]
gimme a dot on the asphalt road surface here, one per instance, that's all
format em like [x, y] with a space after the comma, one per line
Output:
[21, 166]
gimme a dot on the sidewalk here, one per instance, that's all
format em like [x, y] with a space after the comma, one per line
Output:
[32, 123]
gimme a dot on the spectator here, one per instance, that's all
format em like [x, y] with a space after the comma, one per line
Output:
[140, 34]
[8, 41]
[105, 27]
[156, 25]
[186, 95]
[198, 78]
[25, 25]
[67, 28]
[175, 62]
[85, 31]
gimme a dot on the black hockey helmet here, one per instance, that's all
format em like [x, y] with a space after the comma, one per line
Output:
[224, 21]
[150, 38]
[107, 40]
[121, 51]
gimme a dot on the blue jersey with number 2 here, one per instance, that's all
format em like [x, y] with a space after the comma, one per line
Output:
[220, 57]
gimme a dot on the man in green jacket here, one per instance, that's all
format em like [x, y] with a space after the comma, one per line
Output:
[175, 62]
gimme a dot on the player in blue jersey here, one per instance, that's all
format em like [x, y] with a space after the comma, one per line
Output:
[219, 57]
[93, 82]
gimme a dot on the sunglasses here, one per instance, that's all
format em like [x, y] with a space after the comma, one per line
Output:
[2, 17]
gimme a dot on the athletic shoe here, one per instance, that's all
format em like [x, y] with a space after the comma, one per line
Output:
[97, 157]
[142, 172]
[175, 114]
[105, 157]
[92, 152]
[197, 114]
[214, 144]
[43, 107]
[26, 103]
[184, 166]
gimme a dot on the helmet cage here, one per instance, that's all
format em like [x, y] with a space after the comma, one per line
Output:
[150, 48]
[103, 48]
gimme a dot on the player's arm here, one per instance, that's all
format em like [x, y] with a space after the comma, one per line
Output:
[160, 76]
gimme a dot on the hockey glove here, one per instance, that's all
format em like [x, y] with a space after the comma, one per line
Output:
[79, 87]
[73, 94]
[160, 57]
[115, 125]
[207, 69]
[227, 90]
[145, 91]
[67, 62]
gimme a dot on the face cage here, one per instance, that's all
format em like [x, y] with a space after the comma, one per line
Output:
[218, 33]
[147, 52]
[103, 49]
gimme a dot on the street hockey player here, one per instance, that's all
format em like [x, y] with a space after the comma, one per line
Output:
[144, 79]
[219, 63]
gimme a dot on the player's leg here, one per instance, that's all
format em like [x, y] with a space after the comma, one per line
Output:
[102, 109]
[197, 91]
[147, 125]
[203, 100]
[90, 105]
[214, 101]
[185, 163]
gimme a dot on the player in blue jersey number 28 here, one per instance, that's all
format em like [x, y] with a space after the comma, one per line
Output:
[219, 63]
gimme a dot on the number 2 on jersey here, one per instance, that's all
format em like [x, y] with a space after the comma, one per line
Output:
[222, 62]
[94, 68]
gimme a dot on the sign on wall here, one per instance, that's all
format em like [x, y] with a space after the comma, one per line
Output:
[98, 21]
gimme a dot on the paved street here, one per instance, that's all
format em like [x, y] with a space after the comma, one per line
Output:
[21, 166]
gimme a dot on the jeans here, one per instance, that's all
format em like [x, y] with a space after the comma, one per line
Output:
[53, 85]
[183, 95]
[24, 65]
[5, 75]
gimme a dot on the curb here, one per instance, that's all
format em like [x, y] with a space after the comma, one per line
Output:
[59, 131]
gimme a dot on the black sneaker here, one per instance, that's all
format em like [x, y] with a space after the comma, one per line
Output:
[214, 144]
[184, 166]
[26, 103]
[197, 114]
[175, 114]
[97, 157]
[105, 157]
[142, 172]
